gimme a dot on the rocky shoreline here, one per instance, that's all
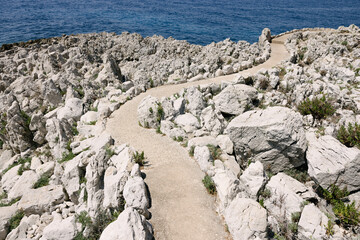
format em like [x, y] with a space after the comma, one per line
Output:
[63, 176]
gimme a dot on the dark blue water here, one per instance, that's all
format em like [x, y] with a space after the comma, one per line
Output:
[197, 21]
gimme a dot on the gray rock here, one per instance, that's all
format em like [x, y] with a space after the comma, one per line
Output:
[73, 109]
[60, 229]
[235, 99]
[274, 136]
[253, 179]
[147, 112]
[212, 121]
[23, 184]
[330, 162]
[5, 214]
[130, 225]
[195, 101]
[312, 223]
[225, 143]
[203, 157]
[114, 183]
[188, 122]
[246, 219]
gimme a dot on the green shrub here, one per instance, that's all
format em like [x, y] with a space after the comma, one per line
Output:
[348, 214]
[329, 227]
[109, 152]
[66, 157]
[160, 113]
[178, 139]
[334, 194]
[42, 181]
[15, 200]
[191, 151]
[215, 152]
[139, 158]
[158, 130]
[350, 136]
[15, 220]
[319, 108]
[209, 184]
[301, 176]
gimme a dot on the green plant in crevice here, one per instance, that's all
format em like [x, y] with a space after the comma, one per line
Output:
[42, 181]
[192, 151]
[349, 136]
[139, 158]
[209, 184]
[215, 152]
[159, 113]
[319, 108]
[15, 220]
[329, 227]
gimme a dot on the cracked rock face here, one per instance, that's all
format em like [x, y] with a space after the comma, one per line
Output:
[274, 136]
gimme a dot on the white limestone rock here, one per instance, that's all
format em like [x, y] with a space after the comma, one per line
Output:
[253, 179]
[60, 229]
[136, 195]
[202, 141]
[73, 109]
[195, 101]
[147, 112]
[130, 225]
[274, 136]
[188, 122]
[330, 162]
[5, 214]
[246, 219]
[312, 223]
[23, 184]
[225, 143]
[212, 121]
[203, 157]
[114, 183]
[234, 99]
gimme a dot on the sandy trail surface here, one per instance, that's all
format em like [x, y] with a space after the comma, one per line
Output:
[181, 207]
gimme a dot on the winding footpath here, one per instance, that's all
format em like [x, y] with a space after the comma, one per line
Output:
[181, 207]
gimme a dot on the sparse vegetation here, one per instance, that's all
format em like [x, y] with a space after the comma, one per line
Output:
[6, 204]
[160, 113]
[139, 158]
[329, 227]
[215, 152]
[319, 108]
[66, 156]
[209, 184]
[42, 181]
[350, 136]
[15, 220]
[178, 139]
[301, 176]
[191, 151]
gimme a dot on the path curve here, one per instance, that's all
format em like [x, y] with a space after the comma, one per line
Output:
[181, 207]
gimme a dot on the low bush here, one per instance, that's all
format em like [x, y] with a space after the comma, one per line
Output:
[209, 184]
[139, 158]
[15, 220]
[215, 152]
[42, 181]
[319, 108]
[191, 151]
[350, 136]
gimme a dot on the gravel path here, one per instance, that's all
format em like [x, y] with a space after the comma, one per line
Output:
[181, 207]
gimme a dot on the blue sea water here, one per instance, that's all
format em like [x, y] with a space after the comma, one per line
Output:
[197, 21]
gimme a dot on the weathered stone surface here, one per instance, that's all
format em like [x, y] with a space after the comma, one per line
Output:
[114, 182]
[212, 121]
[188, 122]
[203, 157]
[23, 184]
[43, 199]
[136, 195]
[202, 141]
[195, 101]
[274, 136]
[130, 225]
[330, 162]
[225, 143]
[234, 99]
[71, 179]
[147, 112]
[73, 109]
[253, 179]
[60, 229]
[246, 219]
[5, 214]
[312, 223]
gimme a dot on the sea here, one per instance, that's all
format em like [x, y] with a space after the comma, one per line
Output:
[197, 21]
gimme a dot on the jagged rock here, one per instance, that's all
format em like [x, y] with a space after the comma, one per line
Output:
[212, 121]
[60, 229]
[136, 195]
[312, 223]
[20, 231]
[73, 109]
[227, 184]
[5, 214]
[147, 112]
[89, 116]
[71, 179]
[203, 157]
[330, 162]
[43, 199]
[274, 136]
[23, 184]
[130, 225]
[235, 99]
[195, 102]
[188, 122]
[5, 156]
[58, 133]
[114, 183]
[265, 36]
[286, 196]
[51, 93]
[9, 179]
[253, 179]
[179, 106]
[246, 219]
[225, 143]
[168, 128]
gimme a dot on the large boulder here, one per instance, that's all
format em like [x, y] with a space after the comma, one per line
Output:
[274, 136]
[195, 101]
[235, 99]
[147, 112]
[73, 109]
[130, 225]
[188, 122]
[246, 219]
[23, 184]
[212, 121]
[114, 183]
[265, 36]
[330, 162]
